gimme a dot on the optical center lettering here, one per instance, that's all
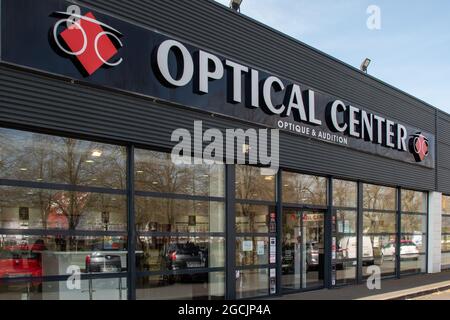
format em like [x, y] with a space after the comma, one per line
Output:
[340, 118]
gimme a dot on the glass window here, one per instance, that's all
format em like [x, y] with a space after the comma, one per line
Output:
[413, 201]
[345, 221]
[379, 250]
[253, 183]
[345, 272]
[197, 286]
[412, 263]
[413, 244]
[414, 223]
[445, 224]
[93, 289]
[252, 251]
[344, 231]
[252, 283]
[445, 264]
[345, 194]
[253, 218]
[304, 189]
[24, 208]
[445, 243]
[179, 253]
[38, 256]
[180, 233]
[446, 205]
[43, 158]
[379, 197]
[155, 172]
[379, 222]
[173, 215]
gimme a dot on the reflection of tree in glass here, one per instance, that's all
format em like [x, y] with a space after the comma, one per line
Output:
[252, 184]
[156, 172]
[300, 188]
[413, 201]
[379, 198]
[43, 158]
[345, 193]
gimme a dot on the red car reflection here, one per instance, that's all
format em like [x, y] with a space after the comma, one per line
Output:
[21, 261]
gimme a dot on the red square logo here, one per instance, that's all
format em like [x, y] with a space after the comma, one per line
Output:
[98, 47]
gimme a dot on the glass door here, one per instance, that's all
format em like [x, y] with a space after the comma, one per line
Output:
[302, 249]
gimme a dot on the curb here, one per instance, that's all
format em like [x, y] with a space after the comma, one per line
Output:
[422, 293]
[411, 293]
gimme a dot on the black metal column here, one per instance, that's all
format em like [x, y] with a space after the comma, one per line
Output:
[279, 229]
[328, 238]
[230, 176]
[399, 232]
[131, 258]
[360, 228]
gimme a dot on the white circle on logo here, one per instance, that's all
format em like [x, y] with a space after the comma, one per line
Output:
[55, 35]
[97, 39]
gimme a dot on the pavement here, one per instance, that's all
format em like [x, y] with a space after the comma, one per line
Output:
[406, 288]
[439, 295]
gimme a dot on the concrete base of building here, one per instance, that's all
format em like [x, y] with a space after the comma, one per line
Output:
[391, 289]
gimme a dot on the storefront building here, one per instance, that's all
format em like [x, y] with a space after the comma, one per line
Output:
[93, 207]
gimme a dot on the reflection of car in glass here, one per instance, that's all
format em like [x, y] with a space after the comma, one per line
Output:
[408, 250]
[312, 255]
[103, 262]
[181, 256]
[20, 261]
[185, 256]
[347, 249]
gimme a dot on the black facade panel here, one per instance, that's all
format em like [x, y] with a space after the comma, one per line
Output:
[29, 99]
[345, 163]
[443, 138]
[208, 25]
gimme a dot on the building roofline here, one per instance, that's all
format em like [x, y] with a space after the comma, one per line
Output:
[326, 55]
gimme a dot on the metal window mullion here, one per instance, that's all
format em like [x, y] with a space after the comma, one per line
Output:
[359, 231]
[131, 257]
[230, 205]
[399, 233]
[328, 238]
[59, 187]
[279, 229]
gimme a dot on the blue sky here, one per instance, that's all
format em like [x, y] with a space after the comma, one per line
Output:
[411, 51]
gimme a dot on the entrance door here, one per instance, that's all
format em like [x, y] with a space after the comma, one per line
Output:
[302, 249]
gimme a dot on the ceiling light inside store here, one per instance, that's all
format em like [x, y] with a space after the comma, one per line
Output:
[23, 169]
[89, 161]
[96, 153]
[245, 148]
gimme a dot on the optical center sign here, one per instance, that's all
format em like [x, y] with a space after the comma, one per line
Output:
[78, 43]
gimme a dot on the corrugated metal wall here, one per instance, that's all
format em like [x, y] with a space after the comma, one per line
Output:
[36, 100]
[443, 168]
